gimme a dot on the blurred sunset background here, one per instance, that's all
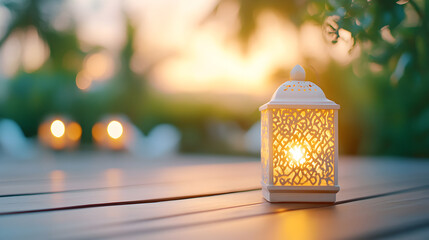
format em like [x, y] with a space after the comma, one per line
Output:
[164, 77]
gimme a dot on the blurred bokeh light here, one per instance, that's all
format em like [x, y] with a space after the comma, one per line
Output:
[115, 129]
[57, 128]
[59, 133]
[114, 132]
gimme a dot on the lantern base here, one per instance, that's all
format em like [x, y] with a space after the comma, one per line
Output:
[325, 194]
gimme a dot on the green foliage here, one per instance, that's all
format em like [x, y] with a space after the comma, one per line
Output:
[393, 38]
[386, 100]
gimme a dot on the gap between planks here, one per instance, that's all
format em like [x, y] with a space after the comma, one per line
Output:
[391, 231]
[312, 205]
[157, 200]
[154, 200]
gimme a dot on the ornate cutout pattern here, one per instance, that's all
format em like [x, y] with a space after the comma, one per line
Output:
[303, 147]
[264, 146]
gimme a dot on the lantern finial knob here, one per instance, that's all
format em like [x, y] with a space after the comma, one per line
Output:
[297, 73]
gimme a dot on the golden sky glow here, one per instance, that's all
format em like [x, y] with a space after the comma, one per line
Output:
[176, 50]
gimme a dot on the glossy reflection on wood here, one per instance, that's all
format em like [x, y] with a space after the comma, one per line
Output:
[206, 197]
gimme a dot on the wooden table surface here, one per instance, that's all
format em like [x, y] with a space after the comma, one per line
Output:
[116, 196]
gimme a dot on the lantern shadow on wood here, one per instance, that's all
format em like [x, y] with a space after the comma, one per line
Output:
[299, 143]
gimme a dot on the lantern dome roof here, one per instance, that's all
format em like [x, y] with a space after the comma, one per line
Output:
[299, 93]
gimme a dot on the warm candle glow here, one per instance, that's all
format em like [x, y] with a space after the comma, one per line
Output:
[98, 132]
[59, 133]
[113, 133]
[58, 128]
[298, 154]
[115, 129]
[74, 131]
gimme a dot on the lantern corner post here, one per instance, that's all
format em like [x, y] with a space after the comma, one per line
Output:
[270, 148]
[336, 154]
[266, 186]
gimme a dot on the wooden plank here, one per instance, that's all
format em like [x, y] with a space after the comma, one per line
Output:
[200, 186]
[418, 230]
[87, 172]
[212, 179]
[39, 224]
[143, 219]
[355, 186]
[119, 178]
[42, 177]
[365, 219]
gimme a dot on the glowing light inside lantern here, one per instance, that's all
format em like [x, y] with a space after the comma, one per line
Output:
[58, 128]
[298, 155]
[115, 129]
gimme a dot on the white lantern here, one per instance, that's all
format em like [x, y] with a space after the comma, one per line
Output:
[299, 143]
